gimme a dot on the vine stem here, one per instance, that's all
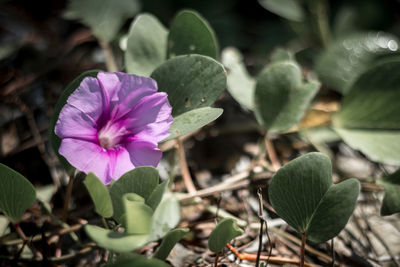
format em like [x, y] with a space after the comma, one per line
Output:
[187, 179]
[110, 59]
[68, 197]
[302, 249]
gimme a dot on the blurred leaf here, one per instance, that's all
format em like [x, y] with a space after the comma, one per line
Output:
[104, 17]
[137, 260]
[274, 85]
[190, 33]
[146, 45]
[191, 81]
[45, 193]
[3, 225]
[223, 233]
[288, 9]
[141, 181]
[302, 193]
[169, 242]
[99, 195]
[137, 215]
[115, 241]
[293, 111]
[280, 54]
[165, 217]
[192, 120]
[379, 145]
[16, 193]
[240, 84]
[54, 140]
[156, 196]
[345, 59]
[391, 201]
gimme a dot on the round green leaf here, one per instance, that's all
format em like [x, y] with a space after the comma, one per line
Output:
[191, 82]
[391, 201]
[16, 193]
[55, 141]
[302, 193]
[115, 241]
[137, 216]
[288, 9]
[141, 181]
[146, 45]
[348, 57]
[100, 195]
[169, 242]
[192, 120]
[274, 85]
[190, 33]
[223, 233]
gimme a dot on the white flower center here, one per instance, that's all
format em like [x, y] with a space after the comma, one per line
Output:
[111, 135]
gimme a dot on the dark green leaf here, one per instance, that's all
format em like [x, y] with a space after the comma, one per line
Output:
[391, 201]
[100, 195]
[192, 120]
[169, 242]
[280, 54]
[156, 196]
[191, 82]
[223, 233]
[288, 9]
[104, 17]
[55, 141]
[141, 181]
[16, 193]
[190, 33]
[347, 58]
[146, 45]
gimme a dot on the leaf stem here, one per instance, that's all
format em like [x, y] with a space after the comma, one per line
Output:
[216, 260]
[187, 179]
[269, 146]
[68, 197]
[111, 65]
[303, 245]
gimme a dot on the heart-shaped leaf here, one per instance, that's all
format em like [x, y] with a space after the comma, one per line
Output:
[141, 181]
[192, 120]
[347, 58]
[16, 193]
[146, 45]
[100, 195]
[391, 201]
[274, 85]
[169, 242]
[190, 33]
[137, 215]
[288, 9]
[55, 141]
[191, 82]
[303, 194]
[223, 233]
[104, 17]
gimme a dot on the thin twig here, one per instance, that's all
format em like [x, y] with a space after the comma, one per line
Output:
[111, 65]
[187, 179]
[26, 241]
[302, 249]
[333, 252]
[216, 260]
[67, 197]
[261, 217]
[269, 146]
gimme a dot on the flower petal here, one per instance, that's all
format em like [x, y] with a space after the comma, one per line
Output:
[143, 153]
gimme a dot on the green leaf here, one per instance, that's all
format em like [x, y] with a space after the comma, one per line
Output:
[391, 201]
[169, 242]
[241, 85]
[302, 193]
[16, 193]
[379, 145]
[192, 120]
[138, 216]
[223, 233]
[141, 181]
[348, 57]
[156, 196]
[288, 9]
[54, 140]
[137, 260]
[191, 82]
[104, 17]
[294, 109]
[280, 54]
[115, 241]
[190, 33]
[100, 195]
[274, 85]
[165, 217]
[146, 45]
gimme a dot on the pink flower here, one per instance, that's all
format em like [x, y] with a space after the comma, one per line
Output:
[113, 123]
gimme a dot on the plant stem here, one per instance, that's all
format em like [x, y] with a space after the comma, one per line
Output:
[303, 245]
[216, 260]
[187, 179]
[333, 252]
[111, 65]
[269, 146]
[68, 197]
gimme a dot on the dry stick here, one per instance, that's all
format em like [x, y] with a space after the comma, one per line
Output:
[261, 217]
[110, 59]
[269, 146]
[26, 241]
[67, 197]
[303, 245]
[187, 179]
